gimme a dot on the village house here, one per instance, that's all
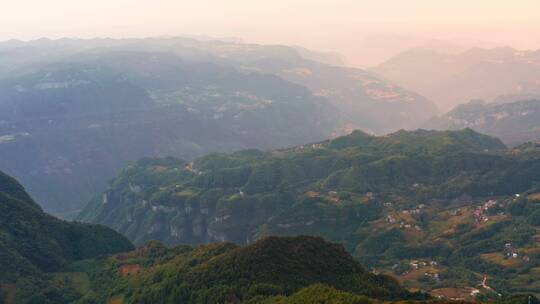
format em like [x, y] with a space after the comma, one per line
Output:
[455, 212]
[510, 252]
[433, 276]
[222, 218]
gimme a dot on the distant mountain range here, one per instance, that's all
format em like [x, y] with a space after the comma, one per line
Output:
[72, 112]
[35, 247]
[394, 201]
[513, 122]
[327, 199]
[451, 79]
[365, 100]
[322, 73]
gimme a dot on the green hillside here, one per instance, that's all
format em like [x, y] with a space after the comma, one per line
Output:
[218, 273]
[397, 202]
[245, 194]
[34, 245]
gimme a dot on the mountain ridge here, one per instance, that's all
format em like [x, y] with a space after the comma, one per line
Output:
[478, 73]
[35, 244]
[387, 199]
[515, 122]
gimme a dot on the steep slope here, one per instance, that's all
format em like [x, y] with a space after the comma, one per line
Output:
[452, 79]
[513, 122]
[245, 194]
[224, 272]
[390, 200]
[34, 244]
[68, 127]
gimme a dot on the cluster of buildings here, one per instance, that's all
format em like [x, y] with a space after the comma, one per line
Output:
[416, 265]
[433, 275]
[392, 220]
[511, 253]
[416, 210]
[421, 264]
[189, 167]
[301, 148]
[402, 224]
[479, 212]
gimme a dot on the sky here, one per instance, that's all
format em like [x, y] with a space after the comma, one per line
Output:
[362, 30]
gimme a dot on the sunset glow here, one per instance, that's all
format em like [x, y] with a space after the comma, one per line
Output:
[337, 25]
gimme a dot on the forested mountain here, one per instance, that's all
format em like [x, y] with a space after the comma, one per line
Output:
[36, 247]
[513, 122]
[401, 199]
[72, 112]
[451, 79]
[266, 270]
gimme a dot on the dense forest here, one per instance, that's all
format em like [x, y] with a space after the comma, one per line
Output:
[435, 209]
[225, 272]
[35, 246]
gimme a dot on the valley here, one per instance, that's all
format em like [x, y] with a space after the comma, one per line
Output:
[72, 117]
[451, 79]
[269, 152]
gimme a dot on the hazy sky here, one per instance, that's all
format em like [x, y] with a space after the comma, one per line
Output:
[339, 25]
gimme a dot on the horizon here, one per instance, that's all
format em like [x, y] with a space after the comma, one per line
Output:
[365, 33]
[428, 44]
